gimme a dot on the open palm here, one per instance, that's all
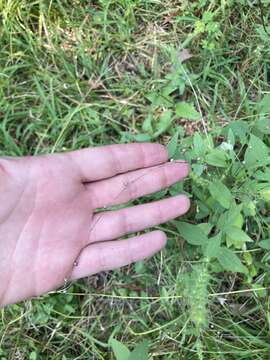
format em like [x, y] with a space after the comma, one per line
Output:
[49, 230]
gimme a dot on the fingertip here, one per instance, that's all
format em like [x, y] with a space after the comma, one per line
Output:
[177, 206]
[160, 238]
[185, 203]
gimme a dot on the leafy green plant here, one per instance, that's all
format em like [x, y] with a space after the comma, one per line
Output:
[231, 180]
[121, 352]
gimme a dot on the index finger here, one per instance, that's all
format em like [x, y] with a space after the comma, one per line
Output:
[107, 161]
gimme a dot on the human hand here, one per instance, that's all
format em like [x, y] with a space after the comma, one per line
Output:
[49, 230]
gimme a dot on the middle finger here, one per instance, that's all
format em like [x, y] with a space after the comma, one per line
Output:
[111, 225]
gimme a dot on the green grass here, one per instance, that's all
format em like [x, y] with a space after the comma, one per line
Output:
[85, 73]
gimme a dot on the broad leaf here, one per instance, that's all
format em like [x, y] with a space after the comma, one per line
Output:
[142, 137]
[257, 153]
[239, 128]
[172, 145]
[230, 261]
[263, 107]
[217, 158]
[231, 137]
[213, 246]
[221, 194]
[198, 144]
[165, 121]
[193, 234]
[120, 351]
[263, 125]
[237, 237]
[186, 111]
[265, 194]
[147, 124]
[258, 290]
[262, 175]
[232, 217]
[140, 352]
[205, 227]
[265, 244]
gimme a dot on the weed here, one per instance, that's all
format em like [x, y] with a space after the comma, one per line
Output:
[79, 73]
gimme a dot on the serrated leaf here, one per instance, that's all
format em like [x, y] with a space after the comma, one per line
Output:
[217, 158]
[221, 194]
[193, 234]
[186, 111]
[213, 246]
[120, 351]
[140, 352]
[257, 153]
[237, 236]
[172, 145]
[230, 261]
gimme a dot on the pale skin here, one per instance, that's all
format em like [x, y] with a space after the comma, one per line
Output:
[50, 230]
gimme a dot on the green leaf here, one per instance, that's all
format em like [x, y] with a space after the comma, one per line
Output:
[263, 106]
[230, 261]
[217, 158]
[186, 111]
[120, 351]
[232, 217]
[193, 234]
[221, 194]
[237, 236]
[265, 244]
[205, 227]
[249, 208]
[140, 352]
[265, 194]
[259, 291]
[213, 246]
[240, 129]
[263, 125]
[256, 154]
[164, 123]
[172, 145]
[147, 124]
[199, 146]
[142, 137]
[262, 175]
[231, 137]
